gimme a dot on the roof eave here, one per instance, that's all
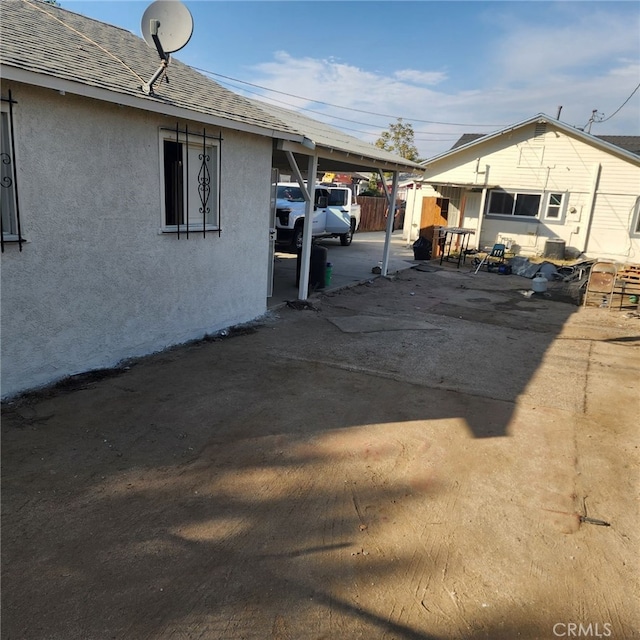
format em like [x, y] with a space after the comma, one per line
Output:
[145, 103]
[362, 159]
[359, 161]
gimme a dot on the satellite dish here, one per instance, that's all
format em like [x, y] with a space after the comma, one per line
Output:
[170, 22]
[167, 26]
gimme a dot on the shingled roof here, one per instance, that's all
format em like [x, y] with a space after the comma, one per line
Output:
[49, 46]
[59, 44]
[628, 143]
[466, 138]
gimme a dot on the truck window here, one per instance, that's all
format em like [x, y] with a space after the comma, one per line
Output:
[320, 193]
[337, 197]
[293, 194]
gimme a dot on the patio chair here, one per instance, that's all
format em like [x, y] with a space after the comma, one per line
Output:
[601, 284]
[493, 259]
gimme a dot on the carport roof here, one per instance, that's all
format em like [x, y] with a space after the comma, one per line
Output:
[336, 150]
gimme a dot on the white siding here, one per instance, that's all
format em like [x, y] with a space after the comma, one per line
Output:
[97, 282]
[608, 235]
[599, 213]
[471, 215]
[411, 227]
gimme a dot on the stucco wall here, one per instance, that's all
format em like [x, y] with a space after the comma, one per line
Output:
[97, 282]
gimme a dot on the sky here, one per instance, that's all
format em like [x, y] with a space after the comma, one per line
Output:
[447, 68]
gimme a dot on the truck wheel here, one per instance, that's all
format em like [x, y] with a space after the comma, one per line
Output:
[296, 239]
[347, 238]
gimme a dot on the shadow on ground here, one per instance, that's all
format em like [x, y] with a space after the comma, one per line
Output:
[290, 481]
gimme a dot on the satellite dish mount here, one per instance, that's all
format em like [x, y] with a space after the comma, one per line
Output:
[154, 27]
[166, 25]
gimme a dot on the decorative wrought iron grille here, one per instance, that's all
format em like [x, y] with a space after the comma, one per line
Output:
[204, 181]
[10, 203]
[182, 181]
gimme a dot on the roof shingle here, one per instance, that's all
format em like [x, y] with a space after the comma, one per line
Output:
[628, 143]
[49, 40]
[44, 39]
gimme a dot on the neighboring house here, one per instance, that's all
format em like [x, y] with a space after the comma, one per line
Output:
[130, 221]
[535, 181]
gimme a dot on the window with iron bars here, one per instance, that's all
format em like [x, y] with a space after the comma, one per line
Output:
[9, 204]
[190, 182]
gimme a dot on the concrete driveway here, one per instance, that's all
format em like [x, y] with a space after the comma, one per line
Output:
[434, 455]
[351, 265]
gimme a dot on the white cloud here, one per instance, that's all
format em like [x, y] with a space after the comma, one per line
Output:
[342, 84]
[420, 77]
[587, 62]
[574, 38]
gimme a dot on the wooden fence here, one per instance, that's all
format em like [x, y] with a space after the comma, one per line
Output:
[372, 214]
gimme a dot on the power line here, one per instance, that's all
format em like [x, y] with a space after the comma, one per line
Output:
[451, 136]
[86, 37]
[324, 115]
[337, 106]
[622, 105]
[287, 104]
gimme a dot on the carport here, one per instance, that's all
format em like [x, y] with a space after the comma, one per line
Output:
[325, 149]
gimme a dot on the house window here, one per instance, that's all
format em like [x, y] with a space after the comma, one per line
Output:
[635, 225]
[9, 209]
[554, 207]
[503, 203]
[190, 182]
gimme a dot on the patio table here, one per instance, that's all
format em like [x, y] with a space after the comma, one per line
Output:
[462, 236]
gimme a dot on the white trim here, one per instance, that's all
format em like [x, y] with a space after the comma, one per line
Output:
[562, 207]
[596, 172]
[634, 231]
[9, 191]
[481, 214]
[515, 192]
[192, 227]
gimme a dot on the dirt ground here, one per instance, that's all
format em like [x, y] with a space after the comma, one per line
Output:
[411, 458]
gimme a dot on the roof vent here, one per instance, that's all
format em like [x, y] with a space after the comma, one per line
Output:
[541, 129]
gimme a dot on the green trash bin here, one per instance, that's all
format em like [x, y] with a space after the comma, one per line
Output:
[327, 274]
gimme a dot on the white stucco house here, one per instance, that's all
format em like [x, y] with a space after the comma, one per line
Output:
[131, 220]
[536, 181]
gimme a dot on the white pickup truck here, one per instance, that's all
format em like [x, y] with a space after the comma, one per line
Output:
[335, 214]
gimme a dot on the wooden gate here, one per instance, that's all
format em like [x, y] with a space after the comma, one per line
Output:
[372, 210]
[435, 213]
